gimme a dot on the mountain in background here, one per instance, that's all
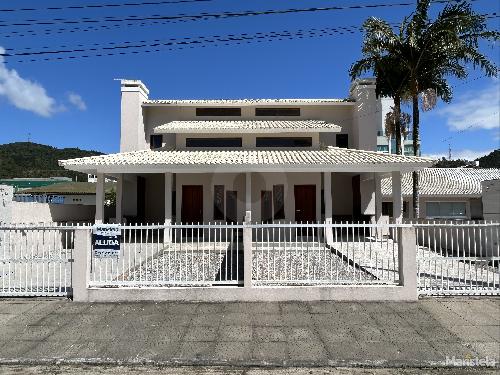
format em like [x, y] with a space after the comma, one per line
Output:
[492, 160]
[26, 159]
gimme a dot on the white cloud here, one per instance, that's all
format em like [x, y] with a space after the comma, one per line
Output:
[475, 110]
[77, 101]
[464, 154]
[25, 94]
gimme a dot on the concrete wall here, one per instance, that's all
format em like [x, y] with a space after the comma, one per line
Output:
[491, 199]
[132, 136]
[6, 194]
[35, 213]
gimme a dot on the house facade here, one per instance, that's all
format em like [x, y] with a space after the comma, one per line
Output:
[282, 160]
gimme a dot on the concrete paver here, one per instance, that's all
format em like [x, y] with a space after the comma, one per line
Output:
[416, 334]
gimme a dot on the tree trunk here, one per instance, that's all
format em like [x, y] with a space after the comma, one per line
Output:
[397, 116]
[416, 152]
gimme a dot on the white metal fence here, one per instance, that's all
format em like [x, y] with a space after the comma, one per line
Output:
[36, 261]
[320, 254]
[452, 258]
[173, 255]
[458, 258]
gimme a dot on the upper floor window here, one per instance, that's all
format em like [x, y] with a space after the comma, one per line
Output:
[155, 141]
[213, 142]
[283, 142]
[214, 111]
[277, 111]
[342, 140]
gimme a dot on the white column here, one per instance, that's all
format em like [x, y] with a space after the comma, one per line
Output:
[247, 250]
[397, 198]
[378, 197]
[119, 198]
[168, 198]
[99, 199]
[248, 191]
[327, 189]
[167, 235]
[327, 193]
[377, 178]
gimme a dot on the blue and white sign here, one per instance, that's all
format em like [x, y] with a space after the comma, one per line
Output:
[106, 240]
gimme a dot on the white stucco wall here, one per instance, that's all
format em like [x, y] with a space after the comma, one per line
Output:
[6, 194]
[36, 213]
[491, 199]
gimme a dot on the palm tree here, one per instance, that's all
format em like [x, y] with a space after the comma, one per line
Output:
[438, 49]
[426, 53]
[390, 75]
[391, 123]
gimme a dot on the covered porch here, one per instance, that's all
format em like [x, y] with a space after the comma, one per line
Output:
[287, 186]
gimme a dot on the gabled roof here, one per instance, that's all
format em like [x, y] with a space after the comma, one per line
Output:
[242, 102]
[223, 161]
[445, 181]
[247, 126]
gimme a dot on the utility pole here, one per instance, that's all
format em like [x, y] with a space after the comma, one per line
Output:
[449, 151]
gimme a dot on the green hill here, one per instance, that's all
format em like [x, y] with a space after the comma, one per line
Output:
[26, 159]
[492, 160]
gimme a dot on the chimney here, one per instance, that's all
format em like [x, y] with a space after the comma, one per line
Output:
[132, 134]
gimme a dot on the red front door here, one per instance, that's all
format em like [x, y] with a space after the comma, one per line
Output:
[305, 203]
[192, 204]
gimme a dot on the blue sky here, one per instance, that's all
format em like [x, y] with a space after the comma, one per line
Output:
[76, 102]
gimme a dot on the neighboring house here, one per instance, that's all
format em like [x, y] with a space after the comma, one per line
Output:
[80, 193]
[299, 160]
[386, 143]
[21, 183]
[445, 193]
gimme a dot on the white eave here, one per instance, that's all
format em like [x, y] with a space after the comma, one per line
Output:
[248, 126]
[244, 102]
[330, 159]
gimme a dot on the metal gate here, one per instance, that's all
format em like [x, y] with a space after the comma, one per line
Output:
[460, 258]
[36, 260]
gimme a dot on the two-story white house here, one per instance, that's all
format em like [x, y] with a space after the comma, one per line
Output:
[202, 161]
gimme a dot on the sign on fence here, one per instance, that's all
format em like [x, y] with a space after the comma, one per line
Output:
[106, 240]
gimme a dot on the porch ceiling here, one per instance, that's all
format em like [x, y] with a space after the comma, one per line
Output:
[247, 126]
[330, 159]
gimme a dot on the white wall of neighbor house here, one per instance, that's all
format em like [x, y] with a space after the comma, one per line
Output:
[491, 199]
[35, 213]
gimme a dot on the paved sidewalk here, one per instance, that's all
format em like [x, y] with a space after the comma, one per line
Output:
[420, 334]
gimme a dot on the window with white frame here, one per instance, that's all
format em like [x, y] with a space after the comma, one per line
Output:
[445, 210]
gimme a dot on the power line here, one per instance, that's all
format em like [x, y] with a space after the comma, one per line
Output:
[182, 43]
[156, 42]
[94, 6]
[27, 51]
[134, 18]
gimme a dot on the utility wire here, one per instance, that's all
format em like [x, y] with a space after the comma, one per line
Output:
[134, 18]
[88, 28]
[176, 44]
[94, 6]
[26, 51]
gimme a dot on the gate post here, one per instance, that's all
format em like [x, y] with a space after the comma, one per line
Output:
[407, 259]
[247, 251]
[81, 262]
